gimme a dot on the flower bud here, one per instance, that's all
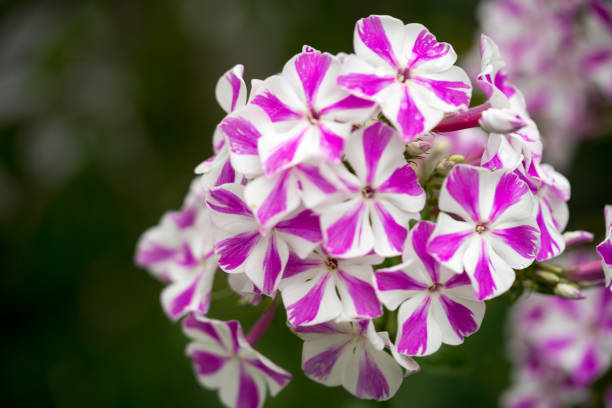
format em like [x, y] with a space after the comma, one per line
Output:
[418, 147]
[568, 291]
[446, 165]
[547, 276]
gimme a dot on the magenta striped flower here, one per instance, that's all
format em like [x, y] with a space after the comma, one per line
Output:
[381, 197]
[242, 246]
[407, 72]
[321, 288]
[224, 360]
[179, 251]
[310, 114]
[436, 305]
[605, 248]
[353, 355]
[493, 229]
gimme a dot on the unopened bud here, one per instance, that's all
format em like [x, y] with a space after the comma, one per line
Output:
[418, 147]
[446, 165]
[568, 291]
[547, 276]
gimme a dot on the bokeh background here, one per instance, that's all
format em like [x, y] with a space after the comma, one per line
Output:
[105, 110]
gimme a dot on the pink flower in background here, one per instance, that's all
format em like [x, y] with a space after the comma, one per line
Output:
[605, 248]
[179, 250]
[224, 360]
[407, 72]
[559, 347]
[353, 355]
[311, 115]
[381, 197]
[321, 288]
[562, 60]
[493, 230]
[436, 304]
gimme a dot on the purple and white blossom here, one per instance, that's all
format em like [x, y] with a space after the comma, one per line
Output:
[381, 197]
[179, 251]
[224, 360]
[242, 245]
[436, 305]
[352, 354]
[321, 288]
[310, 113]
[605, 248]
[407, 72]
[492, 231]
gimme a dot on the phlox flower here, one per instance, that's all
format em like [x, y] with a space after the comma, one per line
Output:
[320, 288]
[381, 197]
[605, 248]
[493, 228]
[310, 114]
[179, 251]
[508, 111]
[224, 360]
[407, 72]
[352, 354]
[242, 246]
[436, 305]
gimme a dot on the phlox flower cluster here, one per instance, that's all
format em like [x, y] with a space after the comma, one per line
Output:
[565, 49]
[363, 193]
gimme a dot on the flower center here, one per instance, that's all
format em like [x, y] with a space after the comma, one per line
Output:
[435, 287]
[403, 75]
[331, 263]
[367, 192]
[313, 117]
[480, 228]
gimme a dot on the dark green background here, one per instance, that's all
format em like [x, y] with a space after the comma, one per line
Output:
[105, 109]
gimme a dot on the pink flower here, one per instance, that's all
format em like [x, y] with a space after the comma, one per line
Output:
[436, 304]
[407, 72]
[224, 360]
[493, 229]
[310, 114]
[261, 254]
[380, 199]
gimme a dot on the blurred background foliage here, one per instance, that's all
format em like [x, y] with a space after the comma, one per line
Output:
[105, 110]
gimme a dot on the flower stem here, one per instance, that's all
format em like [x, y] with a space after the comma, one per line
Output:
[262, 324]
[464, 120]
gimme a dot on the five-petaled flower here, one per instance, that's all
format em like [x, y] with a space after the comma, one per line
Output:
[407, 72]
[492, 229]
